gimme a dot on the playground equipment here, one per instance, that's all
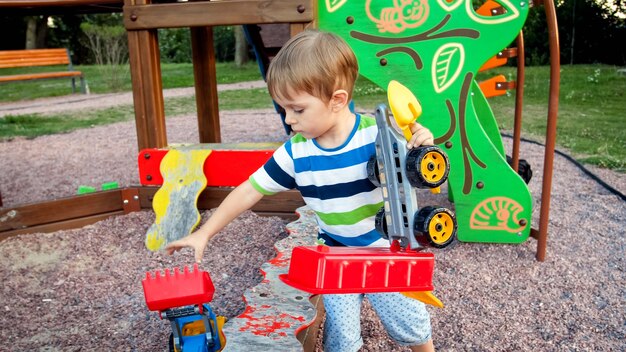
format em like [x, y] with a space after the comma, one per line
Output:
[143, 18]
[183, 172]
[182, 298]
[438, 50]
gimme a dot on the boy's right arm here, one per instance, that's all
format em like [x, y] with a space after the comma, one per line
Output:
[239, 200]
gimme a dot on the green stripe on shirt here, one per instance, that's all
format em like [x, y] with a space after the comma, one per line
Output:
[350, 217]
[261, 190]
[366, 122]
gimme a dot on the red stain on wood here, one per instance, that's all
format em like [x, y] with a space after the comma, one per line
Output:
[280, 260]
[268, 324]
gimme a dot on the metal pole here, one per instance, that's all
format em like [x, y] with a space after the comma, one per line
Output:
[553, 105]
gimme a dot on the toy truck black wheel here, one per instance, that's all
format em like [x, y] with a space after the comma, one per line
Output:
[380, 223]
[427, 167]
[372, 171]
[435, 227]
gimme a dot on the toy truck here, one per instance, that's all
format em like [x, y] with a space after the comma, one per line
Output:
[397, 170]
[182, 298]
[403, 267]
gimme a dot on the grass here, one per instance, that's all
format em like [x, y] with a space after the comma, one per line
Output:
[102, 79]
[592, 112]
[592, 107]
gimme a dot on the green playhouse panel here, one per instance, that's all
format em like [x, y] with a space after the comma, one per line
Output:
[435, 48]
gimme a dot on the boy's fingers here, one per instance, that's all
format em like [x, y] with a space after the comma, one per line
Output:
[198, 256]
[423, 138]
[170, 250]
[173, 247]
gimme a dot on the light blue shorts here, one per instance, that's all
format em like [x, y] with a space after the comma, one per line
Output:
[406, 320]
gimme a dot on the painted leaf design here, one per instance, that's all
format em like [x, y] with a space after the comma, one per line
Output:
[334, 5]
[446, 65]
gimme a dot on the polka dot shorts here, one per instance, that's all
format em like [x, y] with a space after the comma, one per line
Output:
[406, 320]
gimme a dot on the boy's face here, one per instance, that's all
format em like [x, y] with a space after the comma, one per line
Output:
[307, 114]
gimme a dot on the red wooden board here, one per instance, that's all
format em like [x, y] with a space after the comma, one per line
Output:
[222, 168]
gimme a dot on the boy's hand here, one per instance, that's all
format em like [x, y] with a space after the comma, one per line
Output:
[421, 136]
[196, 240]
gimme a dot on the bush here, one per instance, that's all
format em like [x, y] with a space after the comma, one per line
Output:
[175, 44]
[108, 45]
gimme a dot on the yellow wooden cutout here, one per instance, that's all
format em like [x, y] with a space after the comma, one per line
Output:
[426, 297]
[175, 203]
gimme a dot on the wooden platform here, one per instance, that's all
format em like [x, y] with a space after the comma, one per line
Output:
[78, 211]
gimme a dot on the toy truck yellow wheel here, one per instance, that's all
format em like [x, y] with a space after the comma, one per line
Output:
[380, 223]
[427, 167]
[435, 227]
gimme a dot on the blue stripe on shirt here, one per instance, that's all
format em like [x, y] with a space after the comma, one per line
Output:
[328, 162]
[278, 174]
[340, 190]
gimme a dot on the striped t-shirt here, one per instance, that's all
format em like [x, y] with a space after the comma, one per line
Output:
[333, 182]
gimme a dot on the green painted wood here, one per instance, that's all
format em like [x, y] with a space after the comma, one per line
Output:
[435, 48]
[487, 119]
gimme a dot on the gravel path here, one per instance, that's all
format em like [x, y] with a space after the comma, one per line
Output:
[101, 101]
[80, 289]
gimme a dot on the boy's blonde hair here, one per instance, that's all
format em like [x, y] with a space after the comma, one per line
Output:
[314, 62]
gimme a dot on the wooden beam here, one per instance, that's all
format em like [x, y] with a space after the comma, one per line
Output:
[280, 203]
[50, 3]
[60, 225]
[76, 207]
[217, 13]
[78, 211]
[205, 78]
[145, 72]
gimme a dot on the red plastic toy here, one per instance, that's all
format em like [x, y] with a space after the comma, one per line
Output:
[324, 269]
[177, 289]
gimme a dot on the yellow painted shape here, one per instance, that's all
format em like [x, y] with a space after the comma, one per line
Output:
[404, 107]
[180, 168]
[426, 297]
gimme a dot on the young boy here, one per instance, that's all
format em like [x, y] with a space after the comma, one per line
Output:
[312, 78]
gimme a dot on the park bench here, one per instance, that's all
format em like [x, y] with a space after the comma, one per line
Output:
[40, 57]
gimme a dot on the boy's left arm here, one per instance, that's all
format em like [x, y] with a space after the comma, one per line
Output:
[421, 136]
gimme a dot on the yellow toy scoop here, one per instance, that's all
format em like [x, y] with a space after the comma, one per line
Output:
[404, 107]
[426, 297]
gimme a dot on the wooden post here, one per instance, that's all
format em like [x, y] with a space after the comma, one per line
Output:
[205, 78]
[145, 68]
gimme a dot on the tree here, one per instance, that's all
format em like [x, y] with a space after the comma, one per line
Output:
[241, 47]
[590, 31]
[36, 30]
